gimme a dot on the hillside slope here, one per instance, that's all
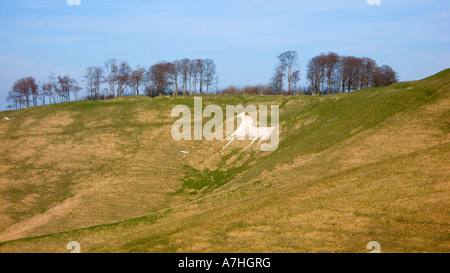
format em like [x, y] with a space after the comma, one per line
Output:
[351, 168]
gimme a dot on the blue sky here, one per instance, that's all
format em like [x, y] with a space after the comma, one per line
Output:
[244, 37]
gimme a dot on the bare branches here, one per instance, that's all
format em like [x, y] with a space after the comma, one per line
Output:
[346, 73]
[288, 62]
[26, 92]
[23, 94]
[326, 74]
[210, 72]
[278, 78]
[111, 73]
[136, 79]
[123, 77]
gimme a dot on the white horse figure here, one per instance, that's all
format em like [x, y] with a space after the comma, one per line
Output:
[247, 128]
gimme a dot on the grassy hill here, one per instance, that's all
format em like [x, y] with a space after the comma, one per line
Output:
[371, 165]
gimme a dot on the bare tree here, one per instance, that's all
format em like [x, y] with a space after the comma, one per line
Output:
[111, 71]
[200, 69]
[66, 86]
[192, 76]
[31, 90]
[183, 69]
[159, 75]
[34, 90]
[20, 94]
[173, 70]
[14, 100]
[210, 72]
[348, 71]
[52, 87]
[289, 59]
[123, 77]
[384, 76]
[63, 88]
[278, 78]
[24, 93]
[295, 79]
[331, 63]
[43, 94]
[316, 73]
[90, 82]
[367, 68]
[98, 76]
[136, 79]
[75, 89]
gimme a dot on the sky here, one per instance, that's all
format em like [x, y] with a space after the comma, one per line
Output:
[243, 37]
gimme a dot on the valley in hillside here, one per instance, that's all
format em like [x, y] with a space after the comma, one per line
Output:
[370, 165]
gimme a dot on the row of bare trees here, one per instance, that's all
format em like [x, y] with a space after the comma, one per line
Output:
[117, 78]
[193, 72]
[326, 74]
[27, 92]
[331, 73]
[178, 77]
[117, 75]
